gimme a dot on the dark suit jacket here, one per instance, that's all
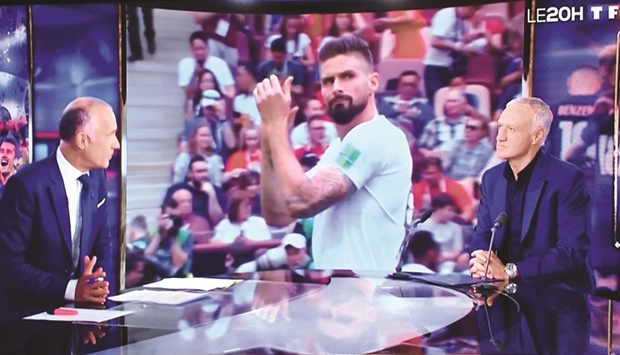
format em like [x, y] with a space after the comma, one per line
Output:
[35, 240]
[548, 320]
[554, 239]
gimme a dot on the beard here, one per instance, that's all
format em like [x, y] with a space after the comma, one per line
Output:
[342, 113]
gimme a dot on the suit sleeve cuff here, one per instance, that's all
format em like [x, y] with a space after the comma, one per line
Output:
[70, 291]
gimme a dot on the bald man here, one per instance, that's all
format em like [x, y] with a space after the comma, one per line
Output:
[55, 242]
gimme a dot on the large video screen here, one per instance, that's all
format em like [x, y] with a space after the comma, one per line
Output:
[190, 79]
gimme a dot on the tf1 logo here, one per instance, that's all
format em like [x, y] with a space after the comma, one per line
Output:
[572, 13]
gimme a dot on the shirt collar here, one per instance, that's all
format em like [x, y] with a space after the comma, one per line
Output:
[524, 174]
[68, 171]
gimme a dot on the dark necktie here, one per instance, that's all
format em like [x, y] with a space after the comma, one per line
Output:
[82, 224]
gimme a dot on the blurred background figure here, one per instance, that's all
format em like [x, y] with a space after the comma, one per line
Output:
[240, 223]
[170, 250]
[138, 237]
[426, 253]
[133, 28]
[448, 52]
[10, 153]
[134, 270]
[446, 233]
[405, 27]
[291, 254]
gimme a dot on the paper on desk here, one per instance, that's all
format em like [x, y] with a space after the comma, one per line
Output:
[159, 297]
[84, 315]
[193, 283]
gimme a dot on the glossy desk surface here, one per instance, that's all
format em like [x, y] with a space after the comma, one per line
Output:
[331, 315]
[345, 312]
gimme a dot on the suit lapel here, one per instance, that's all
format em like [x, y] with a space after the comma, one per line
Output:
[499, 206]
[58, 195]
[534, 191]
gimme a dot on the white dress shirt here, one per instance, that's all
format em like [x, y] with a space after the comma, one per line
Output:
[73, 189]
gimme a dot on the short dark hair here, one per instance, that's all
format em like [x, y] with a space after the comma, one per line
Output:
[195, 158]
[133, 259]
[169, 202]
[421, 243]
[198, 35]
[278, 45]
[442, 200]
[409, 73]
[346, 45]
[431, 161]
[71, 121]
[250, 67]
[10, 139]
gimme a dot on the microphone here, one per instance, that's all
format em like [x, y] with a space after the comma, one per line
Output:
[404, 246]
[499, 222]
[496, 342]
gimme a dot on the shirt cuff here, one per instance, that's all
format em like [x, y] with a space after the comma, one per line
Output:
[70, 291]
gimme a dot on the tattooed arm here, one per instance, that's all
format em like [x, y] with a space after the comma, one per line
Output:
[287, 193]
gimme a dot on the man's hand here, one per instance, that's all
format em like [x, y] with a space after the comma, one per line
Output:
[274, 101]
[90, 334]
[208, 188]
[95, 292]
[480, 297]
[478, 263]
[271, 298]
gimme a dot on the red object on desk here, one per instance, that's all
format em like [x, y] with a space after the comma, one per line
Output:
[62, 311]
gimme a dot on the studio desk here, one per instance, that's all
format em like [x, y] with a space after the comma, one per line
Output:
[345, 312]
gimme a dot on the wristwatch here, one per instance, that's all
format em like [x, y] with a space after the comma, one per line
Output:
[511, 288]
[511, 270]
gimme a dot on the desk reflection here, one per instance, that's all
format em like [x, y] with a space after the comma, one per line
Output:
[540, 320]
[325, 312]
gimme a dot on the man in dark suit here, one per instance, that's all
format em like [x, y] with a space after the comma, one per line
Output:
[281, 66]
[55, 242]
[545, 236]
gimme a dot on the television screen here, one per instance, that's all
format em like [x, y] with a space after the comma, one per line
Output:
[193, 125]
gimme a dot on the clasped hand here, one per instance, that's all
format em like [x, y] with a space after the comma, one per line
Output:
[274, 101]
[477, 268]
[91, 292]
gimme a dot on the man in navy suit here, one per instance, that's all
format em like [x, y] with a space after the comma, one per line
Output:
[42, 265]
[545, 236]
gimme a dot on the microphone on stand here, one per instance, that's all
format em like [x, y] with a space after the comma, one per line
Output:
[408, 235]
[499, 222]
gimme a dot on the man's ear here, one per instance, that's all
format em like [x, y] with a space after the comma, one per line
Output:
[539, 135]
[80, 140]
[373, 82]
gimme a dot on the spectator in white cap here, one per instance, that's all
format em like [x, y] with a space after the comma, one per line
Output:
[291, 254]
[214, 113]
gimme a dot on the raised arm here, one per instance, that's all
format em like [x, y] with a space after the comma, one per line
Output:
[286, 190]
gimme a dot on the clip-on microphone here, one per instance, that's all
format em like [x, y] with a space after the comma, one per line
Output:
[486, 287]
[404, 246]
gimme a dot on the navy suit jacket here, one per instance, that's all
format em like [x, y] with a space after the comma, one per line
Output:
[554, 239]
[35, 238]
[548, 320]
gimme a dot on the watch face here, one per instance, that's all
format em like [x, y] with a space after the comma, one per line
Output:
[511, 270]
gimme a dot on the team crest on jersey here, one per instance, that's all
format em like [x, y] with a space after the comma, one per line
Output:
[348, 156]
